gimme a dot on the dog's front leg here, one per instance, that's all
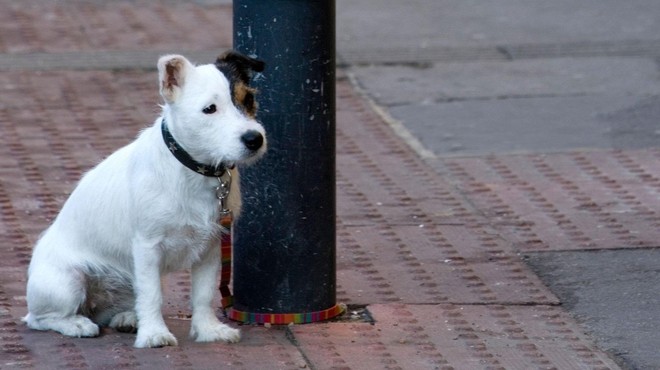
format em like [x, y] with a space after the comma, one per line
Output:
[205, 325]
[152, 331]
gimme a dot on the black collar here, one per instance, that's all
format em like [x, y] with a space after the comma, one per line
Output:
[185, 159]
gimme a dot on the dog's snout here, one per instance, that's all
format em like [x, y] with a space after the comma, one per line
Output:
[253, 139]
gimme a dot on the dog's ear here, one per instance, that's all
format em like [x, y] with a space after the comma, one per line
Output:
[240, 64]
[172, 70]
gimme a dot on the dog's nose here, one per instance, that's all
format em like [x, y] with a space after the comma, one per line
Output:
[253, 139]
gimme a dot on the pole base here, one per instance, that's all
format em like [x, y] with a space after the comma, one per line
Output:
[285, 318]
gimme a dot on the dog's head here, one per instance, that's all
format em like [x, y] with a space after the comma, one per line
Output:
[211, 109]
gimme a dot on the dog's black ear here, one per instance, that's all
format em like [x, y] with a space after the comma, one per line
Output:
[241, 65]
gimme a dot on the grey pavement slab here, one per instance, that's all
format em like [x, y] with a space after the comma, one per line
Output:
[442, 82]
[420, 24]
[534, 124]
[614, 294]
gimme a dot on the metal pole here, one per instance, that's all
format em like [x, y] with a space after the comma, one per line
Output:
[285, 238]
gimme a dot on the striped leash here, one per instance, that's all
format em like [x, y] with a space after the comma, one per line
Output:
[226, 221]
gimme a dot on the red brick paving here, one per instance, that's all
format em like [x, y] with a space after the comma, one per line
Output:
[61, 26]
[433, 256]
[579, 200]
[453, 336]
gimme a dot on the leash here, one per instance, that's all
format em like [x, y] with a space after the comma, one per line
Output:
[286, 318]
[226, 221]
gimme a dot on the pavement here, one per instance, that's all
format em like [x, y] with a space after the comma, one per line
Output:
[498, 186]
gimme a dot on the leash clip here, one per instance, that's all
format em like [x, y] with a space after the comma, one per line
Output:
[222, 192]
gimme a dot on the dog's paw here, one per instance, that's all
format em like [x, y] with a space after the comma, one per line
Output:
[215, 332]
[81, 327]
[152, 339]
[125, 322]
[73, 326]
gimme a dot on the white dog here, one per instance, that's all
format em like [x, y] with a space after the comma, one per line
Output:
[148, 210]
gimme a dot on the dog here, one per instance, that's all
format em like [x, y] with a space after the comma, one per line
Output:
[150, 208]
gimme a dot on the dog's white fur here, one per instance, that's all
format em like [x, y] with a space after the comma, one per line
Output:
[140, 214]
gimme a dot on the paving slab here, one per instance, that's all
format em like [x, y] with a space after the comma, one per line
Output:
[533, 124]
[598, 285]
[68, 26]
[420, 25]
[23, 348]
[453, 337]
[575, 200]
[434, 83]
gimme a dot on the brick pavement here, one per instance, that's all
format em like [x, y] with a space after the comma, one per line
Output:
[433, 256]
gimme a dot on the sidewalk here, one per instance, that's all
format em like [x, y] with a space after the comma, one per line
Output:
[431, 247]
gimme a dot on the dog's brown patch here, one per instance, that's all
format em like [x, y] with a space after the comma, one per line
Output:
[237, 68]
[243, 97]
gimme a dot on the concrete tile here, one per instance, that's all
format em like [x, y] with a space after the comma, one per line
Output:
[491, 80]
[538, 125]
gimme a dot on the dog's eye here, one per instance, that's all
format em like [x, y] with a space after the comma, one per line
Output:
[209, 110]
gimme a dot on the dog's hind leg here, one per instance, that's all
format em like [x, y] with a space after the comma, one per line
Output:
[54, 297]
[71, 326]
[112, 302]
